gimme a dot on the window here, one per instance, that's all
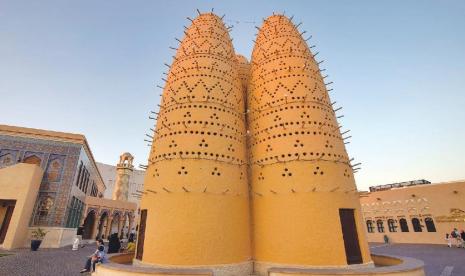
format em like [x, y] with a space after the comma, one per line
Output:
[416, 225]
[74, 213]
[370, 227]
[54, 170]
[43, 210]
[430, 225]
[33, 159]
[392, 225]
[82, 181]
[379, 224]
[403, 225]
[7, 160]
[86, 184]
[94, 190]
[78, 179]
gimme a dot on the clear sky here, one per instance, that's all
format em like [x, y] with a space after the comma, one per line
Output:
[92, 67]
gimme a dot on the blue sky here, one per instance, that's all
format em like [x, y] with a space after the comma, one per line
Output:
[92, 67]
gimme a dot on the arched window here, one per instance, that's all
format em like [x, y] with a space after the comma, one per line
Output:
[430, 225]
[403, 225]
[33, 159]
[380, 225]
[370, 227]
[54, 170]
[392, 225]
[43, 210]
[7, 160]
[416, 225]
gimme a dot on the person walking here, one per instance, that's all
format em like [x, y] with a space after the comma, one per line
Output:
[462, 235]
[456, 236]
[449, 240]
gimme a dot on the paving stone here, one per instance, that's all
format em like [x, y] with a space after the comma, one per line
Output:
[62, 261]
[437, 258]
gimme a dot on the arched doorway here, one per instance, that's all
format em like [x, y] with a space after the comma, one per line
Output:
[102, 225]
[88, 226]
[115, 223]
[124, 227]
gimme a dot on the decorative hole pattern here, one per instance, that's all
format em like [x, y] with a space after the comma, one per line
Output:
[215, 172]
[203, 144]
[182, 171]
[286, 172]
[318, 171]
[290, 116]
[173, 144]
[201, 118]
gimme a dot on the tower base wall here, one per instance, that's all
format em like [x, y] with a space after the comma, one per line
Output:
[196, 228]
[120, 264]
[264, 268]
[244, 268]
[307, 232]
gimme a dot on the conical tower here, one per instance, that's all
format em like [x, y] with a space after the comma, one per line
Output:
[303, 189]
[196, 199]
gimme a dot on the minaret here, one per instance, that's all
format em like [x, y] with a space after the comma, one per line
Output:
[303, 189]
[123, 173]
[196, 199]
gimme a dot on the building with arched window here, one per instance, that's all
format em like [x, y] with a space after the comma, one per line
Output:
[414, 211]
[416, 225]
[380, 226]
[370, 227]
[430, 227]
[403, 225]
[70, 187]
[392, 225]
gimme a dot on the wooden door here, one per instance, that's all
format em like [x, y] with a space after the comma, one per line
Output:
[6, 222]
[349, 232]
[140, 239]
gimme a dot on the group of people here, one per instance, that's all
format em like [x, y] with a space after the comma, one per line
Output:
[114, 246]
[456, 238]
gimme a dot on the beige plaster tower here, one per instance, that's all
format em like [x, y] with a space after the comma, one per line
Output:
[124, 171]
[306, 210]
[195, 206]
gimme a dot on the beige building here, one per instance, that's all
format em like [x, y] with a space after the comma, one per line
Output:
[19, 185]
[50, 180]
[414, 212]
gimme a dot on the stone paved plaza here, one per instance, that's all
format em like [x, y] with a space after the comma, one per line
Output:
[439, 260]
[62, 261]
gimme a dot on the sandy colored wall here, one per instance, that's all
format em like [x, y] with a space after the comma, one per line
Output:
[56, 237]
[195, 188]
[384, 265]
[21, 183]
[301, 173]
[102, 270]
[418, 272]
[2, 213]
[432, 200]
